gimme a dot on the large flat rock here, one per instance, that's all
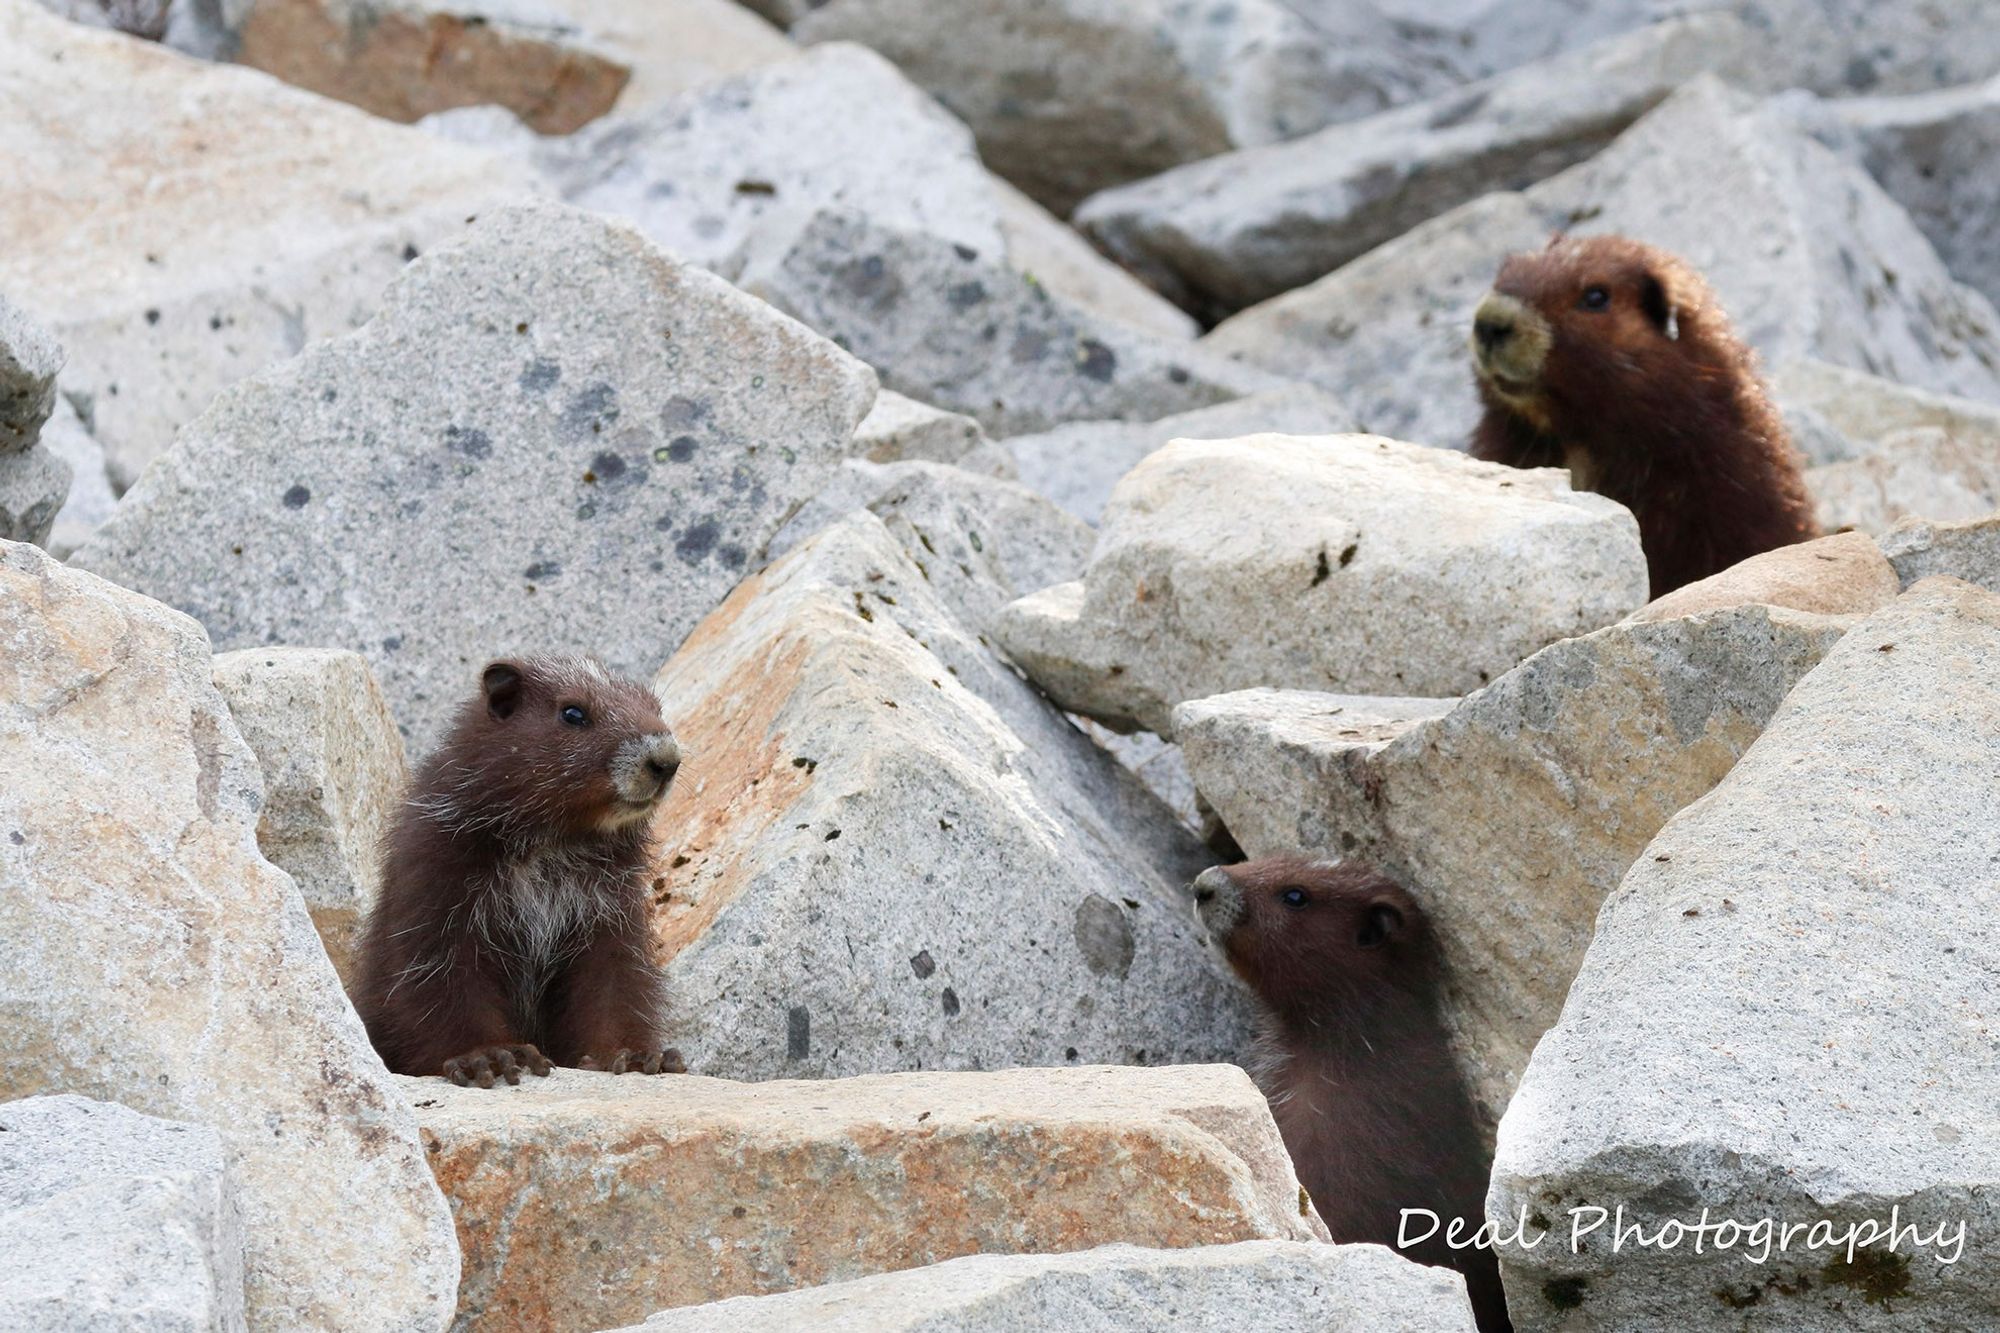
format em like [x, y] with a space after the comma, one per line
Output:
[1271, 1285]
[226, 220]
[552, 436]
[1805, 252]
[888, 852]
[586, 1201]
[156, 959]
[1787, 1014]
[1348, 563]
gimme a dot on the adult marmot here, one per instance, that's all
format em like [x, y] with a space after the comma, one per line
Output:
[1353, 1056]
[511, 930]
[1612, 359]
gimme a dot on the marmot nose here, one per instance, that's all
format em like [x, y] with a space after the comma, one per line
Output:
[1492, 330]
[663, 760]
[1207, 883]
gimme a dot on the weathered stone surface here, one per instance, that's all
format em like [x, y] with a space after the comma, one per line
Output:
[34, 482]
[552, 434]
[1786, 1014]
[90, 499]
[1260, 1284]
[1511, 816]
[1223, 233]
[899, 429]
[863, 758]
[981, 542]
[1078, 465]
[227, 221]
[1806, 253]
[1925, 472]
[586, 1201]
[1918, 548]
[947, 326]
[676, 45]
[112, 1219]
[141, 18]
[154, 958]
[1351, 562]
[1844, 574]
[1051, 252]
[1071, 96]
[404, 59]
[30, 356]
[333, 776]
[1865, 409]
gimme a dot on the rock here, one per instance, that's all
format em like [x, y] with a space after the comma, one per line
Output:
[1806, 253]
[1263, 1284]
[1918, 548]
[1051, 252]
[33, 485]
[1511, 816]
[1828, 1059]
[29, 359]
[403, 59]
[1079, 465]
[981, 542]
[942, 324]
[1925, 472]
[1350, 562]
[154, 958]
[1866, 409]
[229, 221]
[552, 435]
[860, 752]
[586, 1201]
[333, 777]
[111, 1219]
[1070, 96]
[899, 429]
[673, 46]
[1845, 574]
[1223, 233]
[90, 499]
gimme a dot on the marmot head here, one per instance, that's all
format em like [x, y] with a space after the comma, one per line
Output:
[552, 747]
[1314, 938]
[1590, 320]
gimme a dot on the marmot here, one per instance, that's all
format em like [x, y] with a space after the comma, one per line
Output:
[511, 929]
[1612, 359]
[1353, 1055]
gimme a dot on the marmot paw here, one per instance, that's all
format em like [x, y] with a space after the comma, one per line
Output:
[482, 1063]
[625, 1060]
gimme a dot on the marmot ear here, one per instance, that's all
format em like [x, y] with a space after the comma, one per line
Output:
[1659, 307]
[1384, 923]
[501, 684]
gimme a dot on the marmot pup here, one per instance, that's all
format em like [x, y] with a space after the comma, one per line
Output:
[1353, 1056]
[511, 930]
[1612, 359]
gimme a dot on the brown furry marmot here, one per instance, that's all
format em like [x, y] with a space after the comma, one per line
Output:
[1353, 1056]
[511, 929]
[1612, 359]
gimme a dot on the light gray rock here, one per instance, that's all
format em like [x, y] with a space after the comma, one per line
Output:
[34, 483]
[155, 958]
[228, 221]
[980, 541]
[1271, 1285]
[1078, 465]
[1923, 472]
[895, 855]
[1806, 253]
[552, 434]
[1512, 815]
[1918, 548]
[141, 18]
[1783, 1016]
[677, 45]
[1350, 563]
[334, 777]
[1866, 409]
[900, 430]
[1070, 96]
[946, 325]
[30, 356]
[1223, 233]
[90, 499]
[112, 1219]
[1055, 255]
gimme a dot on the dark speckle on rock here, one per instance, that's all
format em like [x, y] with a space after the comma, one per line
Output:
[1103, 936]
[694, 545]
[682, 414]
[1096, 361]
[965, 252]
[591, 409]
[950, 998]
[798, 1032]
[297, 497]
[468, 441]
[539, 375]
[681, 448]
[966, 295]
[611, 470]
[1178, 374]
[393, 643]
[921, 964]
[542, 569]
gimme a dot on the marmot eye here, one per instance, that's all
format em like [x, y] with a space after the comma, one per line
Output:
[1293, 897]
[575, 716]
[1596, 298]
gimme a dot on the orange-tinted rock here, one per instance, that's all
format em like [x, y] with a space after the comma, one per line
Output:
[1845, 574]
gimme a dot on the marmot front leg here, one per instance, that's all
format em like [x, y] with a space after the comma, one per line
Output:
[464, 1033]
[611, 1020]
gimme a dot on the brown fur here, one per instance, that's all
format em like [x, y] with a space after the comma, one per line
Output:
[511, 929]
[1678, 429]
[1354, 1059]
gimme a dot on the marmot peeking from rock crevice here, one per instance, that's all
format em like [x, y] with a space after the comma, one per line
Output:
[512, 926]
[1613, 359]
